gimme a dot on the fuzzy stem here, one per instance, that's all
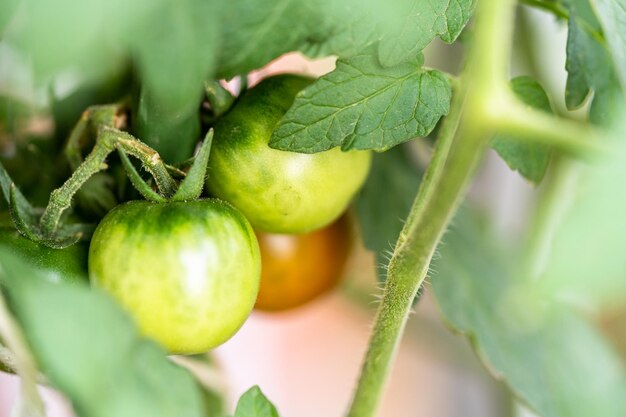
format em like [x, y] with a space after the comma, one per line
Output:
[463, 140]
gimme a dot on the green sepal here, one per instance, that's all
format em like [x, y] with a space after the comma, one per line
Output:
[137, 181]
[191, 187]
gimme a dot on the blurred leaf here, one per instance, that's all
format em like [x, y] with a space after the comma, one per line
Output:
[403, 27]
[612, 16]
[254, 33]
[362, 105]
[173, 135]
[7, 9]
[331, 27]
[89, 349]
[587, 265]
[589, 64]
[175, 49]
[87, 38]
[385, 201]
[254, 404]
[530, 159]
[550, 357]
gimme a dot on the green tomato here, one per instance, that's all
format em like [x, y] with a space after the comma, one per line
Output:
[187, 272]
[67, 265]
[279, 191]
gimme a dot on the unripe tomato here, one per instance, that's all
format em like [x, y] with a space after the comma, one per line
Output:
[187, 272]
[298, 268]
[279, 191]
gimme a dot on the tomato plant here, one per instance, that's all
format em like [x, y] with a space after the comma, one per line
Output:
[299, 268]
[103, 109]
[280, 192]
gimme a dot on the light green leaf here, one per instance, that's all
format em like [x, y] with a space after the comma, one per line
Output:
[254, 404]
[89, 349]
[530, 159]
[549, 356]
[362, 105]
[587, 266]
[385, 201]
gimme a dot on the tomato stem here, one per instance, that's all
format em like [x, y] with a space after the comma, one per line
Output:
[108, 140]
[460, 146]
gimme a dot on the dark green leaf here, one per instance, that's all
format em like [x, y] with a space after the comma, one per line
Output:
[385, 201]
[254, 404]
[530, 159]
[175, 50]
[256, 32]
[89, 349]
[549, 356]
[362, 105]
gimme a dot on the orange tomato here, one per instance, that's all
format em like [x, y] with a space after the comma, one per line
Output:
[296, 269]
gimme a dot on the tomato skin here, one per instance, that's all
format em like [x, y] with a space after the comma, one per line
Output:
[279, 191]
[67, 265]
[188, 272]
[299, 268]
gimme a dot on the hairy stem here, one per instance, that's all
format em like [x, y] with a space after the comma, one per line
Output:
[464, 138]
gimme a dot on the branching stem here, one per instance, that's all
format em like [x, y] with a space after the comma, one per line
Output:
[462, 142]
[108, 140]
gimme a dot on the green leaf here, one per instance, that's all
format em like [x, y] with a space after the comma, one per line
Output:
[588, 63]
[384, 202]
[256, 32]
[254, 404]
[419, 23]
[362, 105]
[89, 349]
[612, 16]
[175, 49]
[403, 27]
[7, 8]
[586, 266]
[530, 159]
[549, 356]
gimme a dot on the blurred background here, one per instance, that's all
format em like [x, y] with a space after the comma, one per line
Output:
[307, 360]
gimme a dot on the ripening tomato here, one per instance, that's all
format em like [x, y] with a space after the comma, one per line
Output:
[279, 191]
[298, 268]
[187, 272]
